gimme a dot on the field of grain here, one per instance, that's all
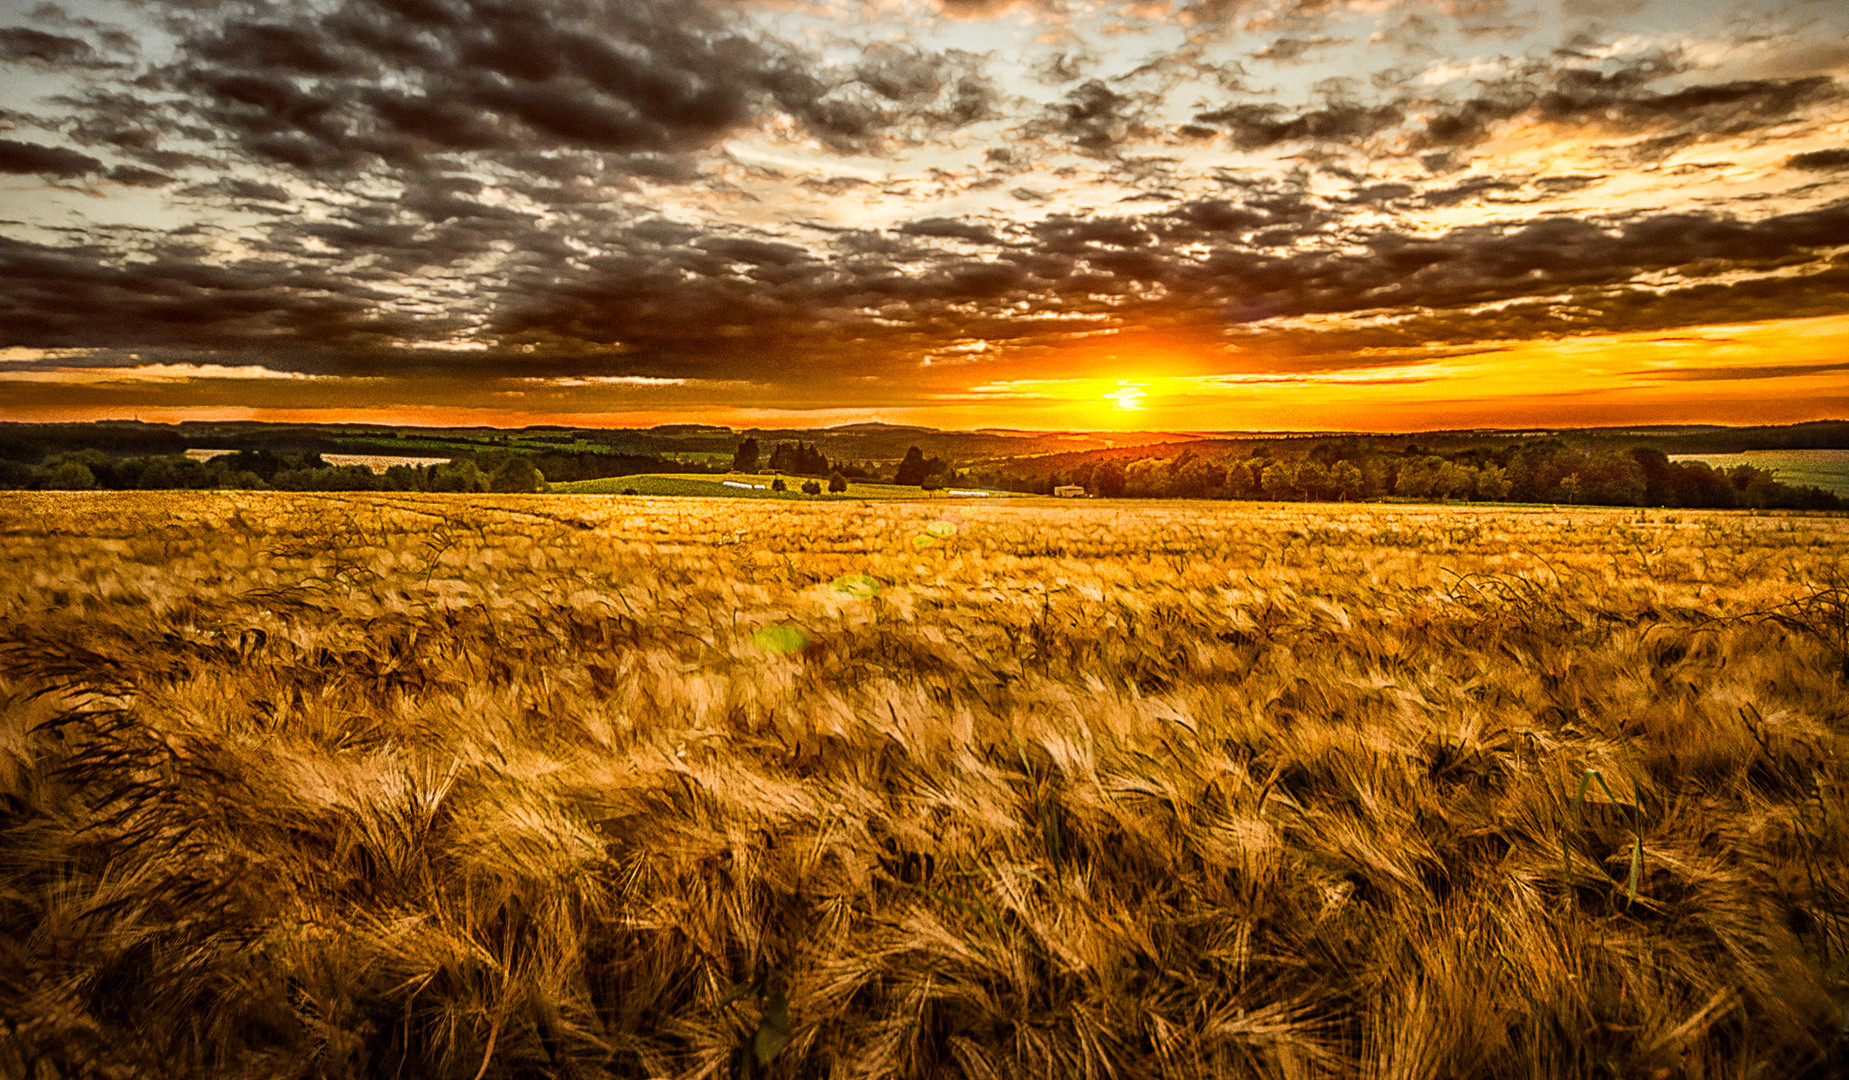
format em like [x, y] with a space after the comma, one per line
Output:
[529, 786]
[747, 486]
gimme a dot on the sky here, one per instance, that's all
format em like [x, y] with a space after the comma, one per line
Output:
[1107, 214]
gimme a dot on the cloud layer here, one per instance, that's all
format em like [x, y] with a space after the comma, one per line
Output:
[793, 197]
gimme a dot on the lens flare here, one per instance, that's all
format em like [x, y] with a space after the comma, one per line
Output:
[858, 586]
[782, 639]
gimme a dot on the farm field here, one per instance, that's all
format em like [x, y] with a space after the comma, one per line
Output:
[1827, 469]
[730, 486]
[517, 786]
[378, 463]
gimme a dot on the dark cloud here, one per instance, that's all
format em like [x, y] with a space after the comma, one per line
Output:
[1259, 125]
[136, 176]
[669, 299]
[86, 296]
[1064, 66]
[948, 89]
[22, 43]
[297, 48]
[1831, 160]
[951, 229]
[977, 8]
[1617, 99]
[1286, 50]
[1477, 187]
[121, 122]
[1590, 310]
[688, 315]
[1096, 120]
[753, 252]
[1620, 102]
[21, 158]
[1068, 234]
[1563, 185]
[394, 81]
[397, 81]
[416, 171]
[1738, 371]
[1380, 194]
[246, 190]
[441, 123]
[112, 37]
[1602, 9]
[445, 199]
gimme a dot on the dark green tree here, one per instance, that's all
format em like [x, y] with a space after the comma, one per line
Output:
[917, 469]
[1107, 478]
[68, 476]
[745, 458]
[912, 470]
[517, 474]
[800, 459]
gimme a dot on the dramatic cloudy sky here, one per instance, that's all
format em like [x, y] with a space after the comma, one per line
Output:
[1200, 214]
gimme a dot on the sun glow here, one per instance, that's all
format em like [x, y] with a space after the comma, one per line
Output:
[1129, 396]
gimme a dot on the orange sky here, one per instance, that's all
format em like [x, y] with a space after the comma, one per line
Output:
[1782, 371]
[1128, 214]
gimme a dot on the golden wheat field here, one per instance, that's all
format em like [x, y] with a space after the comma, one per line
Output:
[433, 786]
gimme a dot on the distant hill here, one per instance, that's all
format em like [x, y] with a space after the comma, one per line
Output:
[1025, 452]
[1816, 435]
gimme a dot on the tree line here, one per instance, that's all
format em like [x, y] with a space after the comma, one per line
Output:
[797, 459]
[1540, 471]
[794, 458]
[258, 470]
[266, 470]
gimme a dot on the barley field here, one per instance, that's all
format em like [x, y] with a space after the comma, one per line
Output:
[529, 786]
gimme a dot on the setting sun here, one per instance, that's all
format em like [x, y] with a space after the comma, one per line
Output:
[1128, 395]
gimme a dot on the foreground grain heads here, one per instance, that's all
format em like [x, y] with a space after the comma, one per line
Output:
[411, 786]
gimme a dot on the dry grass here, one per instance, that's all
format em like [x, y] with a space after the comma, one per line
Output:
[425, 786]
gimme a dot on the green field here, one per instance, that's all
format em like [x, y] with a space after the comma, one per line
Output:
[711, 484]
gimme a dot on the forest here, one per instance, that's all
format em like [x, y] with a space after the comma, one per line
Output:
[1353, 470]
[1489, 469]
[263, 470]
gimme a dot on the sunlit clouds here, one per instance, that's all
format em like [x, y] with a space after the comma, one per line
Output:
[1128, 396]
[1048, 214]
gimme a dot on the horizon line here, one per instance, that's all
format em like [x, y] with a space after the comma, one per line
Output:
[1198, 433]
